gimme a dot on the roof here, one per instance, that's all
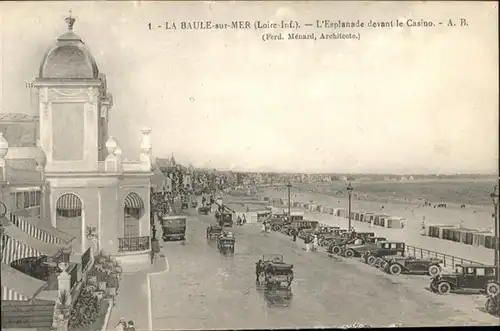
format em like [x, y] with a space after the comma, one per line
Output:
[177, 217]
[20, 282]
[69, 58]
[475, 265]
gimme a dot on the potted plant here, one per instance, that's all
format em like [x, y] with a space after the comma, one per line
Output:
[64, 304]
[91, 234]
[102, 277]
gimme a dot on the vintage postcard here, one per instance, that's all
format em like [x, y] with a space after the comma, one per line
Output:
[210, 165]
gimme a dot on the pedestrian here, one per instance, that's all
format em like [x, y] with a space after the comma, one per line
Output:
[315, 242]
[152, 255]
[121, 325]
[154, 232]
[294, 236]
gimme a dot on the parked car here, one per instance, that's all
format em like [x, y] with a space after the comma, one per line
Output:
[469, 278]
[413, 265]
[346, 238]
[320, 231]
[385, 248]
[358, 249]
[326, 239]
[296, 226]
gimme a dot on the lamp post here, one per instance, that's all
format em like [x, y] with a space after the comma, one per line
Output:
[349, 191]
[494, 198]
[289, 186]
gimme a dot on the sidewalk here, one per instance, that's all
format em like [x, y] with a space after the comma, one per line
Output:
[132, 300]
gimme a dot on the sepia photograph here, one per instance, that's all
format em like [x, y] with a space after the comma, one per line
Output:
[226, 165]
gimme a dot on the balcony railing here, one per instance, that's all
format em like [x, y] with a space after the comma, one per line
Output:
[133, 244]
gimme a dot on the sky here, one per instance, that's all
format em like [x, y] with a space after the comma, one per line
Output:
[400, 100]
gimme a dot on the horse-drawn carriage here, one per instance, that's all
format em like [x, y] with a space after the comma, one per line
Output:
[225, 243]
[214, 231]
[273, 272]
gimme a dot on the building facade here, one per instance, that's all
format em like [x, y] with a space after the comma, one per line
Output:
[84, 182]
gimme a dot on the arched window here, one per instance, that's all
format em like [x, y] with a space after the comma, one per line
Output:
[69, 218]
[134, 210]
[69, 205]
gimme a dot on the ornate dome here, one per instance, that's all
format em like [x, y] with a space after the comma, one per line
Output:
[69, 58]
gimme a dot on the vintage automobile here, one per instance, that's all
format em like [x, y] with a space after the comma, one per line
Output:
[492, 305]
[320, 231]
[396, 265]
[296, 226]
[225, 243]
[327, 239]
[277, 222]
[204, 210]
[385, 248]
[225, 219]
[274, 272]
[174, 227]
[467, 278]
[346, 238]
[214, 231]
[360, 246]
[194, 204]
[262, 215]
[185, 204]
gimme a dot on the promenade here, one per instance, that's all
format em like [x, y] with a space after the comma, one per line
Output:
[411, 233]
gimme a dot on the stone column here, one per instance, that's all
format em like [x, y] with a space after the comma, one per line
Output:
[64, 280]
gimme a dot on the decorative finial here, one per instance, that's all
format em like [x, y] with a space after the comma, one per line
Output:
[70, 20]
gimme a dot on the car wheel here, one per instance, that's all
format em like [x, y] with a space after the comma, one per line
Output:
[276, 228]
[349, 253]
[395, 269]
[336, 250]
[492, 289]
[444, 288]
[370, 259]
[434, 270]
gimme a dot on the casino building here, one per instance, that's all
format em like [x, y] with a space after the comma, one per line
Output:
[81, 187]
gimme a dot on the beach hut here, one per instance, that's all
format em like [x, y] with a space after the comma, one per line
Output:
[368, 217]
[379, 219]
[340, 212]
[479, 238]
[393, 222]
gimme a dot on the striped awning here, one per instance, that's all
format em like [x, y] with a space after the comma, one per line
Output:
[69, 201]
[11, 295]
[17, 244]
[13, 250]
[17, 286]
[133, 200]
[41, 229]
